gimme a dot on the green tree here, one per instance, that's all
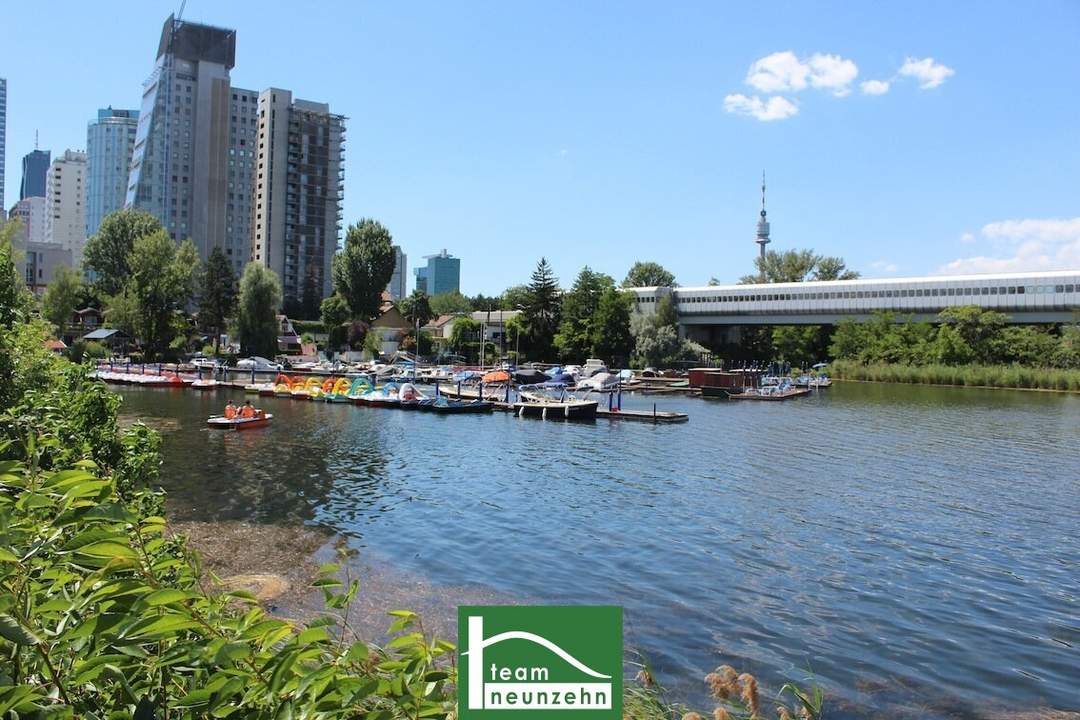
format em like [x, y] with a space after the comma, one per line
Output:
[61, 297]
[312, 294]
[797, 266]
[980, 329]
[648, 274]
[334, 312]
[463, 334]
[260, 298]
[416, 308]
[15, 299]
[449, 303]
[666, 312]
[514, 297]
[108, 252]
[363, 269]
[161, 283]
[950, 348]
[579, 305]
[217, 299]
[611, 338]
[515, 330]
[542, 310]
[795, 343]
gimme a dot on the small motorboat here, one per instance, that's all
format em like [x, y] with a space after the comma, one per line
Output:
[221, 422]
[409, 398]
[447, 406]
[204, 384]
[551, 401]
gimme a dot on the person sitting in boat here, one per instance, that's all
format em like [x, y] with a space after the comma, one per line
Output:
[247, 411]
[230, 410]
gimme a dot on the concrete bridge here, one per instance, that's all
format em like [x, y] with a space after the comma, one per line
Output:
[1035, 297]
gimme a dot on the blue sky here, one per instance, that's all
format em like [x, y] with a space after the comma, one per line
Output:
[603, 133]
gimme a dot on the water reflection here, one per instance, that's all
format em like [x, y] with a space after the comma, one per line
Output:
[904, 544]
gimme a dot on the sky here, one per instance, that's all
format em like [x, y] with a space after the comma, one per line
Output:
[909, 138]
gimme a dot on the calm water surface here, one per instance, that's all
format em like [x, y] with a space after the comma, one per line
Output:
[915, 549]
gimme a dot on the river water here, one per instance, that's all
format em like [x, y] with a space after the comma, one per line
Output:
[913, 549]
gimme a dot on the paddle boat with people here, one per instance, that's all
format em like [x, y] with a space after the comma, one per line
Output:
[245, 417]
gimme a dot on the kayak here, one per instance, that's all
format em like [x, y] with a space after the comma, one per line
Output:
[224, 423]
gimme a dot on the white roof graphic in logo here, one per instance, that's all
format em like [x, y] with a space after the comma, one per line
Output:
[543, 641]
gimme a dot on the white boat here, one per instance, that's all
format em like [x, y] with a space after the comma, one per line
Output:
[550, 401]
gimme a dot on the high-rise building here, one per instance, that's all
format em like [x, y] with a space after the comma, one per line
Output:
[35, 166]
[186, 166]
[3, 140]
[109, 141]
[299, 187]
[442, 274]
[30, 212]
[65, 206]
[396, 288]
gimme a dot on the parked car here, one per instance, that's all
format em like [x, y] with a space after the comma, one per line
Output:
[260, 364]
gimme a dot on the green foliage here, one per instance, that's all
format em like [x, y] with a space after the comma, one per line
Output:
[61, 297]
[81, 350]
[610, 329]
[514, 297]
[15, 299]
[218, 295]
[161, 283]
[980, 329]
[648, 274]
[108, 252]
[450, 303]
[104, 615]
[541, 311]
[579, 305]
[312, 294]
[416, 308]
[260, 298]
[797, 266]
[796, 344]
[362, 270]
[969, 375]
[966, 335]
[335, 313]
[464, 334]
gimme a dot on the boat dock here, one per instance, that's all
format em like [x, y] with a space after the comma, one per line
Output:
[648, 416]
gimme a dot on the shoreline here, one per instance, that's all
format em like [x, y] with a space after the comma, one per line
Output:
[836, 378]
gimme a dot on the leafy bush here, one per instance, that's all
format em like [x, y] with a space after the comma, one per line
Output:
[103, 615]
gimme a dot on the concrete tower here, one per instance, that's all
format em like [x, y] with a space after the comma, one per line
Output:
[762, 223]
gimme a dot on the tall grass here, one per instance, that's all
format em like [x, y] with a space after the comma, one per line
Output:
[998, 376]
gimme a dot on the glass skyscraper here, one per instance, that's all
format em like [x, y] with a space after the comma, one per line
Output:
[109, 141]
[442, 274]
[35, 166]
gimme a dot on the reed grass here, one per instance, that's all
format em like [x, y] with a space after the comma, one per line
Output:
[996, 376]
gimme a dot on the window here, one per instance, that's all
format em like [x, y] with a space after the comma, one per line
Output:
[1059, 288]
[1012, 289]
[1069, 288]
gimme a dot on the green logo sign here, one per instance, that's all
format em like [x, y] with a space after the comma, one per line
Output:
[518, 662]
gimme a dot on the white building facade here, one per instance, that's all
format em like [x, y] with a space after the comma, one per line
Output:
[65, 203]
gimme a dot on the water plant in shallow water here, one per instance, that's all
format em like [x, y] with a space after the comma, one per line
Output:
[737, 696]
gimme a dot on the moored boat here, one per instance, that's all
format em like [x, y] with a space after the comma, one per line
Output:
[551, 401]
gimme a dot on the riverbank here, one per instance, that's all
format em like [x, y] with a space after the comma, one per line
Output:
[975, 376]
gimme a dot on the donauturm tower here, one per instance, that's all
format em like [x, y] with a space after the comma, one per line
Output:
[762, 223]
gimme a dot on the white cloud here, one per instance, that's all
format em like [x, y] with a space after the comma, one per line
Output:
[884, 266]
[784, 72]
[927, 71]
[967, 238]
[874, 87]
[778, 72]
[563, 152]
[833, 73]
[1029, 244]
[773, 108]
